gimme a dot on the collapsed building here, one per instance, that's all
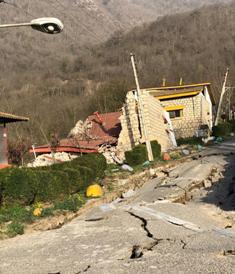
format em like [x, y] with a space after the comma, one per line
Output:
[114, 133]
[169, 113]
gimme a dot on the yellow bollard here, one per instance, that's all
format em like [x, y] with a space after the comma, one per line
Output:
[94, 191]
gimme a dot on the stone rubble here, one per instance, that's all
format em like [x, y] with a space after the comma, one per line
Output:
[81, 130]
[50, 159]
[112, 154]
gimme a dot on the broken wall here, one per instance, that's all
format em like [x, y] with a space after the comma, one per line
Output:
[153, 118]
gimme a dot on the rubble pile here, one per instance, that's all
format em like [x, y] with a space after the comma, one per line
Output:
[112, 154]
[50, 159]
[81, 130]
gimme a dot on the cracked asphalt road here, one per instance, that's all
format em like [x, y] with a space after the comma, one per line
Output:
[165, 237]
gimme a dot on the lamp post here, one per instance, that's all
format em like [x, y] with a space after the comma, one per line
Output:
[48, 25]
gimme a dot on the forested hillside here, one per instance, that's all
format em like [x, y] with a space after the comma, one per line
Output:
[56, 82]
[197, 46]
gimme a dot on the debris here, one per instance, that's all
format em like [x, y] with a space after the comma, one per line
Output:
[185, 152]
[208, 139]
[94, 191]
[147, 163]
[50, 159]
[128, 194]
[127, 168]
[218, 140]
[81, 130]
[115, 170]
[207, 183]
[152, 173]
[199, 147]
[112, 154]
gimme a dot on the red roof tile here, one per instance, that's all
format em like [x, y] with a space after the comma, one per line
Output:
[105, 130]
[110, 127]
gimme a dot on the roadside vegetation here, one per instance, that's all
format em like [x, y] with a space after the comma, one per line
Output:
[27, 194]
[224, 129]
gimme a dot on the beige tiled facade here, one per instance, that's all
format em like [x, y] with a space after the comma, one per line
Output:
[196, 112]
[153, 119]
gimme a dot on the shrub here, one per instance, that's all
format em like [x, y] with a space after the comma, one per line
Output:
[16, 213]
[232, 125]
[51, 185]
[27, 185]
[190, 141]
[138, 155]
[96, 162]
[156, 148]
[72, 203]
[18, 186]
[46, 212]
[222, 130]
[15, 228]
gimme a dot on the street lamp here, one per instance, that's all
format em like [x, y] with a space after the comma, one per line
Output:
[48, 25]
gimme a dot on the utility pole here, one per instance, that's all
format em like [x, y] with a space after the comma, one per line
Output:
[221, 98]
[141, 110]
[230, 93]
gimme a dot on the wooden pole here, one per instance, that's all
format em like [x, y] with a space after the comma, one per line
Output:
[141, 112]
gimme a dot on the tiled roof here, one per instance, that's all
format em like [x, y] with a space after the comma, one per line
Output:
[180, 90]
[110, 127]
[105, 130]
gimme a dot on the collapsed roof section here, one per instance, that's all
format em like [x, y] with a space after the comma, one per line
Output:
[88, 136]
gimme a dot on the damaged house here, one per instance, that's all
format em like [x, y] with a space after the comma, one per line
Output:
[189, 107]
[114, 133]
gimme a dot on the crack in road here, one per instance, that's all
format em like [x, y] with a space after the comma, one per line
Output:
[143, 225]
[84, 270]
[137, 250]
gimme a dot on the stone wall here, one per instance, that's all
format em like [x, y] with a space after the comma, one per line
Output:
[195, 114]
[155, 126]
[154, 123]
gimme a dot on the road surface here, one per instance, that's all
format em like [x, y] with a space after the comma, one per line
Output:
[180, 223]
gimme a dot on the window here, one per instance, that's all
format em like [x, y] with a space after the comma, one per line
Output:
[176, 113]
